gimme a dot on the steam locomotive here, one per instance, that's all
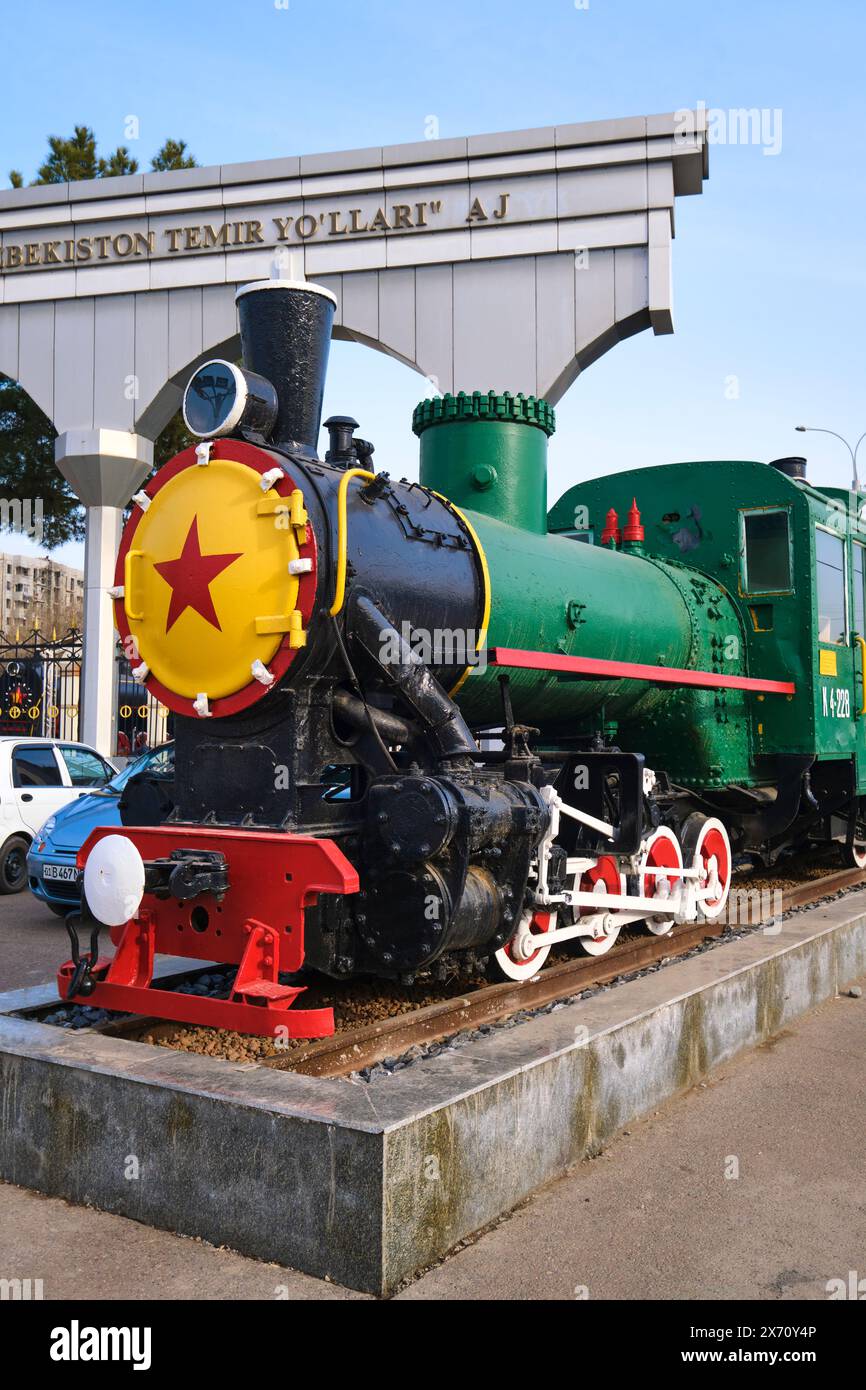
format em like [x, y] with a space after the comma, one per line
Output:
[422, 721]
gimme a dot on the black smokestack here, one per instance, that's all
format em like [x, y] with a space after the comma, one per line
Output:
[793, 467]
[286, 338]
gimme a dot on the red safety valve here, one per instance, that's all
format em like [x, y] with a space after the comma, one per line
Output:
[633, 531]
[611, 530]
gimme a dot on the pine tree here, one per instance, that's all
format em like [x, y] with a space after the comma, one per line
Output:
[28, 473]
[121, 162]
[74, 157]
[173, 155]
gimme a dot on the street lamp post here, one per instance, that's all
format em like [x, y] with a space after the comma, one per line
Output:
[815, 429]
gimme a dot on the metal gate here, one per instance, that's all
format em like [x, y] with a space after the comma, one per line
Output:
[40, 694]
[40, 682]
[142, 722]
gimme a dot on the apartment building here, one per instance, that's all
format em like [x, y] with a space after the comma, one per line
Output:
[36, 591]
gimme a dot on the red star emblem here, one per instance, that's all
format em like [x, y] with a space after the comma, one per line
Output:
[190, 577]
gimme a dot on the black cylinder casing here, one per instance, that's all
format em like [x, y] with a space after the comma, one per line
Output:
[286, 338]
[411, 916]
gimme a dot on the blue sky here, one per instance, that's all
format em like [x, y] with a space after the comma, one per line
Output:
[769, 272]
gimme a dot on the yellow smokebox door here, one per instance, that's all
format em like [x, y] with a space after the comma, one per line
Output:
[210, 564]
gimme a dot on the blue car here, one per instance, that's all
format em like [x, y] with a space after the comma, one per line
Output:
[53, 874]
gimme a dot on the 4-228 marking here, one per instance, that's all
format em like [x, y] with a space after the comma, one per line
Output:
[836, 701]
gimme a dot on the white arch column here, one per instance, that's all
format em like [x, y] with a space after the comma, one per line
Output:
[104, 467]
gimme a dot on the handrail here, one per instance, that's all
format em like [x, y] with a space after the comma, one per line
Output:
[342, 536]
[861, 642]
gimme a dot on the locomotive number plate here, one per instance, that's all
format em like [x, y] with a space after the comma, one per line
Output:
[836, 702]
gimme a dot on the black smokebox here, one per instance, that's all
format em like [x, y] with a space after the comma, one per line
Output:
[286, 338]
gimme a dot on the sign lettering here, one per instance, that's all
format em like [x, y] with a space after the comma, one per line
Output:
[388, 219]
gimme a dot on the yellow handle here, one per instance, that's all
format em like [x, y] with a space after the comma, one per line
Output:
[127, 584]
[861, 642]
[340, 587]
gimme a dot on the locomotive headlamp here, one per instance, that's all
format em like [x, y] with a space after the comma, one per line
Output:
[114, 880]
[222, 398]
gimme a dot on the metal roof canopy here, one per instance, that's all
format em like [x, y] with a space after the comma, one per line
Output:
[410, 238]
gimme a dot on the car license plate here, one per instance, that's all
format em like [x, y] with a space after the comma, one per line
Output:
[63, 873]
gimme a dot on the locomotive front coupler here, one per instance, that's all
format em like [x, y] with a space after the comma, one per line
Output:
[81, 981]
[183, 875]
[186, 874]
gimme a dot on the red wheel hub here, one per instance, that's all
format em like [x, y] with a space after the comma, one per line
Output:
[715, 846]
[663, 853]
[605, 871]
[541, 922]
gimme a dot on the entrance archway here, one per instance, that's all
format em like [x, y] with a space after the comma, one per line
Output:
[504, 262]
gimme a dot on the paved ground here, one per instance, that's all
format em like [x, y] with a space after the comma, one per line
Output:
[82, 1254]
[33, 942]
[654, 1217]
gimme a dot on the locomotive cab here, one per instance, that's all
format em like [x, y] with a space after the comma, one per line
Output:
[790, 556]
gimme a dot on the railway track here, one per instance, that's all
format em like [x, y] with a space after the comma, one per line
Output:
[359, 1048]
[356, 1048]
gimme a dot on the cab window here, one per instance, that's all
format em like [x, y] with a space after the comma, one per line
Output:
[830, 585]
[766, 552]
[35, 767]
[859, 590]
[85, 769]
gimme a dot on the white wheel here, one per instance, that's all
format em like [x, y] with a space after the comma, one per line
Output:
[599, 945]
[603, 877]
[708, 849]
[520, 958]
[662, 851]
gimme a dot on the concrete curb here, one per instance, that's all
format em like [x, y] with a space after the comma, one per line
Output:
[367, 1184]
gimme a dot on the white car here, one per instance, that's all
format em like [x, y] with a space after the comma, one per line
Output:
[38, 776]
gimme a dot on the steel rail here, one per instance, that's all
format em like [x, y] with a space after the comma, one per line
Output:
[358, 1048]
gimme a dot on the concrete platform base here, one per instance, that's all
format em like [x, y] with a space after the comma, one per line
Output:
[366, 1184]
